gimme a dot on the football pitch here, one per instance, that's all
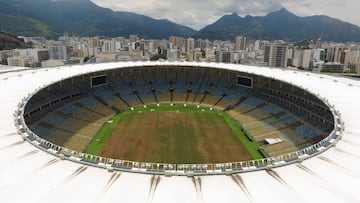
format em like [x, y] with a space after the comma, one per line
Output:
[173, 134]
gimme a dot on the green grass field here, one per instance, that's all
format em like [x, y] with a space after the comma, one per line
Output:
[173, 134]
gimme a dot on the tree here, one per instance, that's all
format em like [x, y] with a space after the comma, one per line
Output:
[4, 62]
[86, 59]
[162, 54]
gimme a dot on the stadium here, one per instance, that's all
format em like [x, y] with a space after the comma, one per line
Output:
[180, 132]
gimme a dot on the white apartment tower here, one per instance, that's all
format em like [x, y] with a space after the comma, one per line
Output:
[190, 45]
[60, 52]
[240, 43]
[108, 46]
[303, 58]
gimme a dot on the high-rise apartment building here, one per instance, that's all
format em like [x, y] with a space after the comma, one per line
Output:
[60, 52]
[172, 40]
[302, 58]
[318, 55]
[225, 57]
[351, 62]
[275, 54]
[336, 53]
[190, 45]
[240, 43]
[110, 46]
[200, 43]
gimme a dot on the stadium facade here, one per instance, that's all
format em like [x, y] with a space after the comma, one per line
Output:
[331, 176]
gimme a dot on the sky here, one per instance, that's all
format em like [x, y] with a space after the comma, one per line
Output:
[199, 13]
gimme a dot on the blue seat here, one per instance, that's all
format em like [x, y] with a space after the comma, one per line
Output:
[306, 131]
[272, 109]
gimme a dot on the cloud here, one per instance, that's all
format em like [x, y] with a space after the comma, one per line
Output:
[193, 13]
[346, 10]
[199, 13]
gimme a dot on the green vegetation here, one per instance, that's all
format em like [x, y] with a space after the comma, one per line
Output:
[351, 71]
[72, 62]
[51, 18]
[24, 26]
[4, 62]
[8, 42]
[303, 45]
[82, 18]
[162, 54]
[176, 144]
[330, 71]
[99, 140]
[86, 59]
[280, 24]
[251, 146]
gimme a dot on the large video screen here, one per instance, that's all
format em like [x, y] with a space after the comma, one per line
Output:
[98, 80]
[245, 81]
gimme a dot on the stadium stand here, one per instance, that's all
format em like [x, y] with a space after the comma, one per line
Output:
[270, 109]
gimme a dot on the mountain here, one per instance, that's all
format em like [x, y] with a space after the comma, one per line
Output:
[80, 17]
[8, 41]
[281, 24]
[51, 18]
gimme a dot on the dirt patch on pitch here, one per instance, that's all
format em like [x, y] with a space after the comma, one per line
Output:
[170, 137]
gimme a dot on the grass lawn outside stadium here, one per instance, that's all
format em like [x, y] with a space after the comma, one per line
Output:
[173, 134]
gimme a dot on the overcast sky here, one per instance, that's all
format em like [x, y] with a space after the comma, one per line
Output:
[199, 13]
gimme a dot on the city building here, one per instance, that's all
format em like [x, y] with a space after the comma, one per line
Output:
[16, 61]
[317, 59]
[4, 55]
[210, 55]
[332, 67]
[302, 58]
[240, 56]
[335, 53]
[52, 63]
[318, 54]
[37, 55]
[240, 43]
[201, 44]
[276, 54]
[73, 50]
[351, 62]
[190, 45]
[108, 46]
[225, 57]
[151, 47]
[60, 52]
[259, 45]
[25, 57]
